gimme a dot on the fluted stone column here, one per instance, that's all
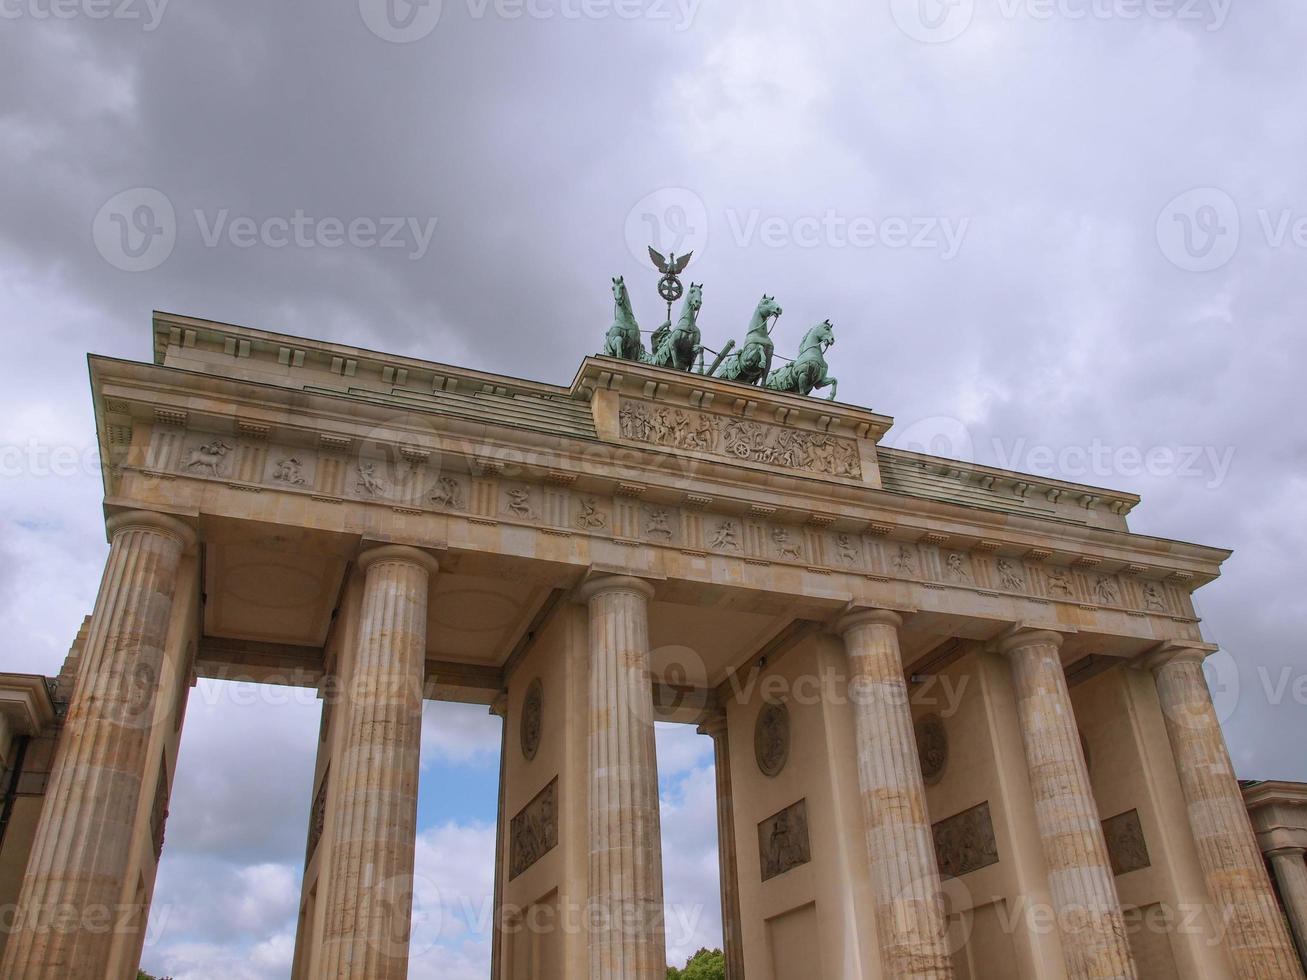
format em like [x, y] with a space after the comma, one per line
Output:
[370, 884]
[627, 935]
[499, 708]
[1237, 882]
[1090, 922]
[727, 859]
[1291, 872]
[69, 903]
[910, 920]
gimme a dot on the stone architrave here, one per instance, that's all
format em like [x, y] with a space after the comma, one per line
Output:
[79, 858]
[370, 883]
[1090, 920]
[1231, 861]
[627, 935]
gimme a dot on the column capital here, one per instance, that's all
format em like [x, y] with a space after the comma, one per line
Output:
[867, 616]
[150, 520]
[499, 706]
[1287, 851]
[1174, 652]
[713, 723]
[605, 584]
[397, 553]
[1024, 637]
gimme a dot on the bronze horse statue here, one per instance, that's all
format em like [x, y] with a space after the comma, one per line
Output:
[677, 347]
[808, 370]
[623, 338]
[752, 362]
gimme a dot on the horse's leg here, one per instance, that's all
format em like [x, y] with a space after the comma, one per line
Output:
[834, 385]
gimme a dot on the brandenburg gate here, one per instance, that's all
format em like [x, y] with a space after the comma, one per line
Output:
[959, 714]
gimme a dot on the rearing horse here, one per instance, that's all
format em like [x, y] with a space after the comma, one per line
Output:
[623, 338]
[751, 363]
[808, 370]
[677, 347]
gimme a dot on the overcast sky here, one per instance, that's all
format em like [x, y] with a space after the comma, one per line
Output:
[1057, 236]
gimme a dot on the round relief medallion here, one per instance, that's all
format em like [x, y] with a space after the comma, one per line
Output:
[532, 718]
[932, 747]
[771, 738]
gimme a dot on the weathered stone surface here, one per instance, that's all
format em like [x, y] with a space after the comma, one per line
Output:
[909, 911]
[626, 872]
[534, 832]
[370, 881]
[783, 842]
[965, 842]
[79, 859]
[1080, 879]
[1236, 876]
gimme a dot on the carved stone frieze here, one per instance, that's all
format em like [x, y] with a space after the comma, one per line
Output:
[721, 435]
[965, 842]
[783, 842]
[1126, 847]
[318, 814]
[534, 831]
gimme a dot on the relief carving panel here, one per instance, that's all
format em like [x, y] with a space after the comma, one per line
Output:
[1126, 847]
[965, 842]
[783, 842]
[758, 442]
[534, 831]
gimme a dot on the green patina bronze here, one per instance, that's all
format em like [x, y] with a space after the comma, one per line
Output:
[624, 335]
[808, 370]
[678, 347]
[681, 348]
[752, 362]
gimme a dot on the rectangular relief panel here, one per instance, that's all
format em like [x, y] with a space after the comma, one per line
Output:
[783, 841]
[965, 842]
[1126, 847]
[534, 830]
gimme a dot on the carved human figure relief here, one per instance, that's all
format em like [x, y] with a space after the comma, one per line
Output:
[212, 456]
[783, 841]
[847, 549]
[771, 738]
[932, 747]
[1153, 598]
[1059, 583]
[658, 523]
[786, 547]
[1105, 591]
[1010, 575]
[519, 502]
[903, 560]
[369, 481]
[590, 516]
[290, 471]
[532, 719]
[448, 493]
[956, 568]
[725, 536]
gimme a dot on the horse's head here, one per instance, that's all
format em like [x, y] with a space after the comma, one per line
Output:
[619, 289]
[694, 297]
[821, 337]
[768, 309]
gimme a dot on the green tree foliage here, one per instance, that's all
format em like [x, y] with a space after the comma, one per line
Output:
[707, 964]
